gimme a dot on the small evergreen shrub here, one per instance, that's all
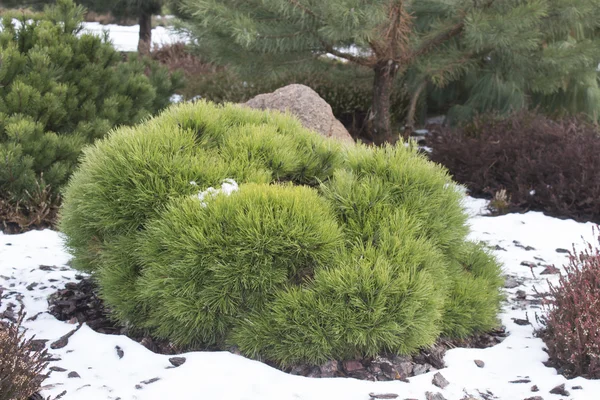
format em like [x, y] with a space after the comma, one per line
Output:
[540, 164]
[323, 251]
[21, 367]
[60, 89]
[572, 324]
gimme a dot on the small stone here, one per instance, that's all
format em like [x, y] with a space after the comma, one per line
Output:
[521, 381]
[550, 270]
[498, 248]
[560, 389]
[521, 295]
[329, 369]
[149, 381]
[57, 369]
[479, 363]
[510, 282]
[434, 396]
[315, 372]
[73, 374]
[383, 395]
[419, 369]
[31, 286]
[352, 366]
[520, 321]
[534, 388]
[46, 267]
[64, 340]
[528, 264]
[177, 361]
[559, 250]
[577, 387]
[301, 370]
[535, 398]
[120, 352]
[439, 381]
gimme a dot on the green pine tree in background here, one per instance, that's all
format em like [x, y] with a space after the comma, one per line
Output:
[59, 90]
[142, 10]
[510, 54]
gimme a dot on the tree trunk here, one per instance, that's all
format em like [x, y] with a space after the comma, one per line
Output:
[409, 127]
[145, 39]
[379, 119]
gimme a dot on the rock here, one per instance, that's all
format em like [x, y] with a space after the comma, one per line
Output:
[73, 374]
[535, 398]
[520, 381]
[479, 363]
[313, 112]
[383, 395]
[434, 396]
[439, 381]
[56, 369]
[528, 264]
[420, 369]
[510, 282]
[577, 387]
[329, 369]
[120, 352]
[177, 361]
[550, 270]
[521, 295]
[352, 366]
[560, 389]
[559, 250]
[520, 321]
[149, 381]
[64, 340]
[534, 388]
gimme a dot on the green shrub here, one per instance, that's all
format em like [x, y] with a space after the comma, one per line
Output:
[60, 89]
[324, 251]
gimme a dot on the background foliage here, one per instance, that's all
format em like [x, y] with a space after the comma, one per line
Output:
[542, 164]
[61, 89]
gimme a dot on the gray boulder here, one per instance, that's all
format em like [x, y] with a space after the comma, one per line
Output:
[313, 112]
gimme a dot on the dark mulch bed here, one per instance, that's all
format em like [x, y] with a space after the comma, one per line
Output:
[79, 303]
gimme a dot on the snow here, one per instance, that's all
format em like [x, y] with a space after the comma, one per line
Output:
[227, 187]
[125, 38]
[222, 375]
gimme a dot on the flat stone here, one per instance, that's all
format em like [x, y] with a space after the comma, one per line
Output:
[479, 363]
[439, 381]
[329, 369]
[510, 282]
[434, 396]
[560, 389]
[177, 361]
[352, 366]
[73, 374]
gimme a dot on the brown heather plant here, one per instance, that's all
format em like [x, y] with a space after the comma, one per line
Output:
[544, 165]
[21, 367]
[572, 324]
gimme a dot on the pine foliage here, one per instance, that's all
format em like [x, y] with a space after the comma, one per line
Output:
[508, 55]
[324, 252]
[60, 89]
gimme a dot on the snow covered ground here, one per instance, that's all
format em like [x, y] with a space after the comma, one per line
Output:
[39, 257]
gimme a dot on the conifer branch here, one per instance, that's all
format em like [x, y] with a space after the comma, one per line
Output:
[305, 9]
[438, 40]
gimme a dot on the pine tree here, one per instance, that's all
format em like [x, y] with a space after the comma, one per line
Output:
[509, 50]
[142, 10]
[59, 90]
